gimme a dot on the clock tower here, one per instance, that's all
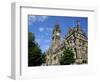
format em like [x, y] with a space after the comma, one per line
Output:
[56, 37]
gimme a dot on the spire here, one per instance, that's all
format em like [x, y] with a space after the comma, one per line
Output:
[78, 23]
[57, 20]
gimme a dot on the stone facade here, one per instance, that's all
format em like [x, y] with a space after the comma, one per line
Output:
[76, 39]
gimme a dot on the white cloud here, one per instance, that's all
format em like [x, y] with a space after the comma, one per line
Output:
[38, 40]
[42, 18]
[46, 33]
[47, 40]
[33, 19]
[48, 29]
[46, 47]
[41, 29]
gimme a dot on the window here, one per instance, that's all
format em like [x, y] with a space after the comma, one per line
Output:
[55, 58]
[84, 61]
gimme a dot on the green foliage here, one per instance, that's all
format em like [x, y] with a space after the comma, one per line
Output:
[68, 57]
[31, 36]
[34, 51]
[43, 58]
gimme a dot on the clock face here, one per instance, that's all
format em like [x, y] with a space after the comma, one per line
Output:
[58, 34]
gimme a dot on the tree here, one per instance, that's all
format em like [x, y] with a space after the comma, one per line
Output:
[68, 57]
[34, 51]
[43, 58]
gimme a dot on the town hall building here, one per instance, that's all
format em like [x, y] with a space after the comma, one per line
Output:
[75, 39]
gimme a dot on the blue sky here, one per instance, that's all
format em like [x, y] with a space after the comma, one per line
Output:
[42, 27]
